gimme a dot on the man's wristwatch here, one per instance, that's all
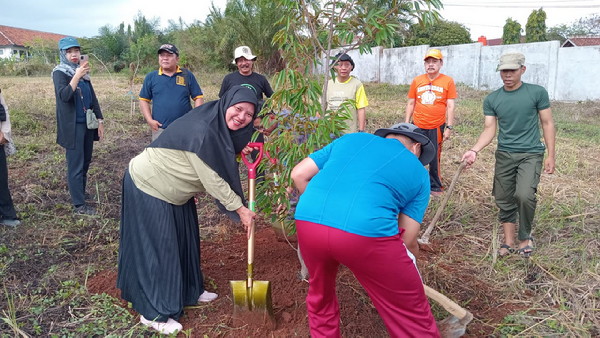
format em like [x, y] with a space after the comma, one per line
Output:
[100, 121]
[450, 127]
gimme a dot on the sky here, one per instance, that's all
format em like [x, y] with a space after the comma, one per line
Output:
[84, 18]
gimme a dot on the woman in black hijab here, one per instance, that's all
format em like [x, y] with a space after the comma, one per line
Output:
[159, 249]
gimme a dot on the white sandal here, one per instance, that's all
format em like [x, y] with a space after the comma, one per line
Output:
[206, 297]
[170, 327]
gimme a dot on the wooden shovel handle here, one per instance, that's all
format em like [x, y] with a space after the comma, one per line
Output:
[425, 237]
[450, 306]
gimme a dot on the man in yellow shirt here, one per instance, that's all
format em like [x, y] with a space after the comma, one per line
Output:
[345, 87]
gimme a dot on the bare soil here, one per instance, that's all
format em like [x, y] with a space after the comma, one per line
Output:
[224, 259]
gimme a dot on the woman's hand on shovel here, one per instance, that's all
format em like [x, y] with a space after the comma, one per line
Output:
[246, 216]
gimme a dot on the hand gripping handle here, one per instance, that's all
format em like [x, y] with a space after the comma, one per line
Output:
[252, 165]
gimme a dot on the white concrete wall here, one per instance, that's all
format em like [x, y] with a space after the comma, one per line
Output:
[569, 74]
[540, 60]
[461, 63]
[6, 52]
[367, 66]
[401, 65]
[578, 74]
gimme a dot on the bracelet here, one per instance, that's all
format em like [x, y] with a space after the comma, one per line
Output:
[100, 121]
[450, 127]
[473, 151]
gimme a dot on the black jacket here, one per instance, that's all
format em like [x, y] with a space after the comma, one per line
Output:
[65, 110]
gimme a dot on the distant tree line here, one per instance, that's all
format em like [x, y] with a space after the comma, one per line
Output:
[536, 30]
[208, 45]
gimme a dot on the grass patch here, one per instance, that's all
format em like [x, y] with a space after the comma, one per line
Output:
[46, 263]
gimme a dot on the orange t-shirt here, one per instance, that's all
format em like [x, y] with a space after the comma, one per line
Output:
[430, 100]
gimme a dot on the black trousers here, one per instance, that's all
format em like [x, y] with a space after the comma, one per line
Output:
[437, 137]
[7, 208]
[78, 163]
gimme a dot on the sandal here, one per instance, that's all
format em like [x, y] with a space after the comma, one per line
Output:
[509, 250]
[527, 250]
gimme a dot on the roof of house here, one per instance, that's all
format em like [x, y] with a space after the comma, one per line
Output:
[13, 36]
[578, 41]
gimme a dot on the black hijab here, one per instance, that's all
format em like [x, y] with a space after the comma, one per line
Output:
[203, 131]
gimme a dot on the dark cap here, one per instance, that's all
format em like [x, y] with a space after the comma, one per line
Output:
[344, 57]
[167, 47]
[414, 132]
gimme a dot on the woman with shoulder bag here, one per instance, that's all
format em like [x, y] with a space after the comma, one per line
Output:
[75, 96]
[8, 214]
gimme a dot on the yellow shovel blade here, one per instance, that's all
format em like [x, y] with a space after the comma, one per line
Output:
[257, 297]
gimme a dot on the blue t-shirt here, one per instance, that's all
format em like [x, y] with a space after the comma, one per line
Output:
[170, 95]
[83, 100]
[364, 182]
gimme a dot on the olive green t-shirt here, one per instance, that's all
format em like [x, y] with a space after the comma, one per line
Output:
[175, 176]
[517, 112]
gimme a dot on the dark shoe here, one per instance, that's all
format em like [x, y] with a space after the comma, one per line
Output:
[509, 250]
[10, 222]
[527, 250]
[84, 209]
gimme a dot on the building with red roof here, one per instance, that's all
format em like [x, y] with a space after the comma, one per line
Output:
[580, 41]
[15, 41]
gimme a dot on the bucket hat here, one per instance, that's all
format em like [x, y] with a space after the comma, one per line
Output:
[414, 132]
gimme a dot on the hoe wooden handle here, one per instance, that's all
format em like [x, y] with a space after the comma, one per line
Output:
[446, 303]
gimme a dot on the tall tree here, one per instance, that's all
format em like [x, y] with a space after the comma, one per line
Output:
[255, 25]
[443, 33]
[111, 44]
[310, 31]
[512, 32]
[584, 26]
[535, 30]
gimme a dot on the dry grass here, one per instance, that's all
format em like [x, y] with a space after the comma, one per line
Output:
[556, 293]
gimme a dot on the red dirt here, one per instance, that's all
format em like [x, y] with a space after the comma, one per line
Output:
[224, 259]
[275, 261]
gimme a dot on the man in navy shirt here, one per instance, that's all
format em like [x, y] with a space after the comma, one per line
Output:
[247, 77]
[363, 198]
[169, 89]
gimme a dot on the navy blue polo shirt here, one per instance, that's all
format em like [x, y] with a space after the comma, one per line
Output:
[170, 95]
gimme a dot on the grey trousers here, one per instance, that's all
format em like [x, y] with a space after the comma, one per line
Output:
[516, 178]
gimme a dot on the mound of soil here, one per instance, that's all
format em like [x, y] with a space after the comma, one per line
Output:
[276, 261]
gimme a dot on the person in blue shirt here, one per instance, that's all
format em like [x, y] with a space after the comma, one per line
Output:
[166, 92]
[362, 199]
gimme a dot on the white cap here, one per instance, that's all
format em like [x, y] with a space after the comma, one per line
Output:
[243, 51]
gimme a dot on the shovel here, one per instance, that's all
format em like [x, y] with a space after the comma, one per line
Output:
[252, 298]
[424, 240]
[456, 325]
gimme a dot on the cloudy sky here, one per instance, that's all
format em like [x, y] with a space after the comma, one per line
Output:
[84, 18]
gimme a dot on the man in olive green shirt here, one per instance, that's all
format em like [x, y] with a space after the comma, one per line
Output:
[517, 109]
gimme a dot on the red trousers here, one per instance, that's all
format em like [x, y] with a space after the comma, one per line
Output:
[383, 268]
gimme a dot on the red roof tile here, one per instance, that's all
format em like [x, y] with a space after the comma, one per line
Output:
[582, 41]
[13, 36]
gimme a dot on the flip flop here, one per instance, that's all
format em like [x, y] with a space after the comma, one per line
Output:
[509, 249]
[527, 250]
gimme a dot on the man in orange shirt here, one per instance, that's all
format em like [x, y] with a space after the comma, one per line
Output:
[431, 108]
